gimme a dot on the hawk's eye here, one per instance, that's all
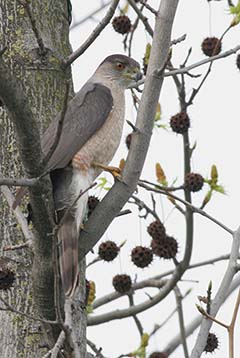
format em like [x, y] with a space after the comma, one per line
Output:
[120, 66]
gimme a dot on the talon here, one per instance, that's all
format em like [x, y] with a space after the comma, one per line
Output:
[115, 171]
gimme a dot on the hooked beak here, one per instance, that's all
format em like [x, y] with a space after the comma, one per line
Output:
[138, 76]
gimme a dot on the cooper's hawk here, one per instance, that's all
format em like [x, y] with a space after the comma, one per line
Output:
[91, 133]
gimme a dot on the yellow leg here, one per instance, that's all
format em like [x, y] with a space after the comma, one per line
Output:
[115, 171]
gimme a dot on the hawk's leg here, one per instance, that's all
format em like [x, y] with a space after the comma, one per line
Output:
[115, 171]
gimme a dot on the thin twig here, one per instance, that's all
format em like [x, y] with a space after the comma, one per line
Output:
[18, 247]
[155, 281]
[39, 39]
[56, 281]
[18, 182]
[30, 317]
[207, 315]
[147, 6]
[59, 128]
[179, 299]
[165, 188]
[159, 326]
[27, 233]
[141, 205]
[141, 17]
[53, 353]
[203, 62]
[95, 33]
[94, 348]
[90, 16]
[189, 205]
[135, 317]
[232, 326]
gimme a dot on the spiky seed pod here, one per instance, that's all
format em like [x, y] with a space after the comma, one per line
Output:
[238, 61]
[166, 248]
[141, 256]
[194, 181]
[158, 355]
[7, 278]
[180, 122]
[92, 203]
[122, 283]
[211, 46]
[122, 24]
[108, 250]
[212, 343]
[128, 140]
[157, 230]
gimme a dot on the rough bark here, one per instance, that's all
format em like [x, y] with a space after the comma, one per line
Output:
[42, 81]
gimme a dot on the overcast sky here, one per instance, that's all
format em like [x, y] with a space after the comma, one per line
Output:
[215, 128]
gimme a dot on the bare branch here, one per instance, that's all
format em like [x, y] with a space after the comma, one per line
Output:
[191, 206]
[96, 350]
[179, 299]
[135, 317]
[193, 325]
[155, 281]
[147, 6]
[91, 15]
[141, 17]
[219, 297]
[18, 214]
[202, 62]
[32, 318]
[26, 5]
[95, 33]
[141, 205]
[18, 182]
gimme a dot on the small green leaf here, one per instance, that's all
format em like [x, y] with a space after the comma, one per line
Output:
[214, 174]
[219, 189]
[207, 198]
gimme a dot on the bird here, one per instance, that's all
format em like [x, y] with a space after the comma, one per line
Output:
[91, 133]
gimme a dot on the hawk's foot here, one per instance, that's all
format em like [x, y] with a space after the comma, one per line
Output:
[115, 171]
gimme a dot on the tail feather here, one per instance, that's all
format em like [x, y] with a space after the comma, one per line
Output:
[68, 239]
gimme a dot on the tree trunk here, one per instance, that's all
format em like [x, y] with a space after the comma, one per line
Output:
[36, 41]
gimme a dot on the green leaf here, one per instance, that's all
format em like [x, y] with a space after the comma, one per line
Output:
[235, 10]
[219, 189]
[103, 184]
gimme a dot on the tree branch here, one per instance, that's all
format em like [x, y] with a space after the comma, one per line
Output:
[202, 62]
[181, 320]
[27, 233]
[219, 297]
[90, 16]
[191, 206]
[95, 33]
[26, 5]
[193, 325]
[18, 182]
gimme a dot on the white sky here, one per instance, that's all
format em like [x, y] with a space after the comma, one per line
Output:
[215, 127]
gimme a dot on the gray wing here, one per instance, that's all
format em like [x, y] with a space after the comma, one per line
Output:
[86, 113]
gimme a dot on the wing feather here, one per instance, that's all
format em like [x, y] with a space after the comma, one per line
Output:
[85, 114]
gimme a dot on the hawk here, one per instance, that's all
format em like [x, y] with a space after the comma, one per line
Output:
[90, 136]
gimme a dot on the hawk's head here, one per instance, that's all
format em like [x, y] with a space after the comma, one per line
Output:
[120, 68]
